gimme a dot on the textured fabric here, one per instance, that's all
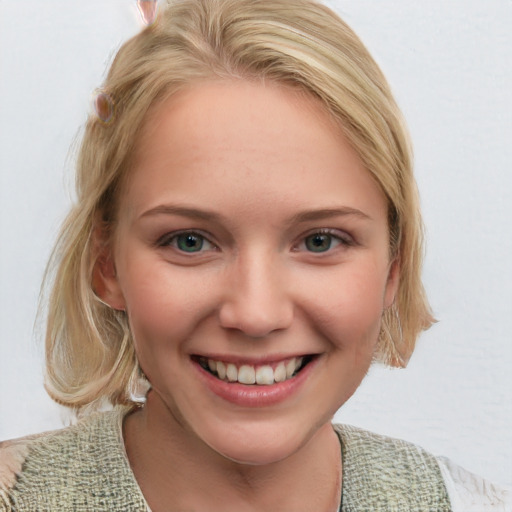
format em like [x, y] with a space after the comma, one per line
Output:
[384, 474]
[81, 468]
[85, 468]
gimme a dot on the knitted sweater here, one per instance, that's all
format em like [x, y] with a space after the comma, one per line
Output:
[85, 468]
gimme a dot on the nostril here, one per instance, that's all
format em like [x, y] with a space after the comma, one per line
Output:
[259, 328]
[256, 321]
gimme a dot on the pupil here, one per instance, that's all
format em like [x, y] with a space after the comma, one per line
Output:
[190, 243]
[318, 243]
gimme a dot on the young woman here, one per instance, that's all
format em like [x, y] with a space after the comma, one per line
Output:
[246, 241]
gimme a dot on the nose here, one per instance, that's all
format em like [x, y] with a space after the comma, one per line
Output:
[256, 301]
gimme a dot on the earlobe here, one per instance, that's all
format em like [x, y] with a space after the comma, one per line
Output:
[105, 283]
[392, 283]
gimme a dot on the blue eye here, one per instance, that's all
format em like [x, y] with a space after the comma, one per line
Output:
[325, 240]
[187, 241]
[318, 242]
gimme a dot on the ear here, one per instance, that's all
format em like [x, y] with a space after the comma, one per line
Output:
[392, 283]
[105, 283]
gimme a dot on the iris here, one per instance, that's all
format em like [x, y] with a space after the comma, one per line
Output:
[319, 242]
[189, 242]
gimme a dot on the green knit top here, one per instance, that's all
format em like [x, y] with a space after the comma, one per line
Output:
[85, 468]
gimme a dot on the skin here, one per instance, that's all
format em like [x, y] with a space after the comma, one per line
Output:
[267, 169]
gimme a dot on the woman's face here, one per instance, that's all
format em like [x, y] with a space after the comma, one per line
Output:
[251, 245]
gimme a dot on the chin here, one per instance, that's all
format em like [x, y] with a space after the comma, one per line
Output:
[253, 453]
[257, 444]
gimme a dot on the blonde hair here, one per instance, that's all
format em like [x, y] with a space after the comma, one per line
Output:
[89, 351]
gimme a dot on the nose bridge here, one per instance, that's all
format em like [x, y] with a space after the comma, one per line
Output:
[257, 300]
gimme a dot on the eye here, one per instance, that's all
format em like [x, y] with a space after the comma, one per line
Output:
[319, 242]
[323, 241]
[187, 241]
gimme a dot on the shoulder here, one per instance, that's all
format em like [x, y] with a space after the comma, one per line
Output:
[393, 466]
[379, 448]
[80, 466]
[472, 493]
[382, 473]
[12, 457]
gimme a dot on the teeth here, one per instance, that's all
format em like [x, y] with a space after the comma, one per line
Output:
[291, 367]
[221, 370]
[265, 375]
[280, 373]
[232, 372]
[247, 374]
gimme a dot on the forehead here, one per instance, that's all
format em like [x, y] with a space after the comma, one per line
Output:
[209, 109]
[256, 141]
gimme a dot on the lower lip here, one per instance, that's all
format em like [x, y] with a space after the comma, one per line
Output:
[255, 395]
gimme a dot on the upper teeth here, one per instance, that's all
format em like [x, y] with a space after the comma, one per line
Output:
[249, 374]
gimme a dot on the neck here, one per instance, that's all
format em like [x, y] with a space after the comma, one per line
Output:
[174, 467]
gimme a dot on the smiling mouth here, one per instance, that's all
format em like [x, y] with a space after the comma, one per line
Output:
[263, 375]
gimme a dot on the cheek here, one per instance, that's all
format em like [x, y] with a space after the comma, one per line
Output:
[348, 307]
[161, 322]
[163, 304]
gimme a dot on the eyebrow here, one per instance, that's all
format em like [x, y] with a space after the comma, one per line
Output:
[327, 213]
[304, 216]
[183, 211]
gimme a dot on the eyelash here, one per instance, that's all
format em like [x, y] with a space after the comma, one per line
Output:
[332, 235]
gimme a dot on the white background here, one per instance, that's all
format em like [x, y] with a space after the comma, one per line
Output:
[449, 63]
